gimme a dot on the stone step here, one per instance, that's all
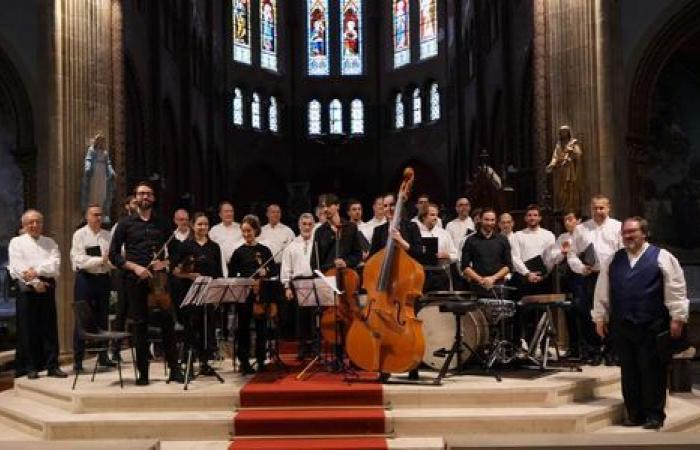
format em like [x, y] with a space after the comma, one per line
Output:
[682, 415]
[581, 441]
[458, 422]
[52, 423]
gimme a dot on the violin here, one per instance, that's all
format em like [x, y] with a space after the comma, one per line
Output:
[261, 306]
[387, 337]
[158, 294]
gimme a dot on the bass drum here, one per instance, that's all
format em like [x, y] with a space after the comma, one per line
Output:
[439, 332]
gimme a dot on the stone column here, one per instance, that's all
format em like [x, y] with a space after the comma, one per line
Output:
[82, 103]
[579, 48]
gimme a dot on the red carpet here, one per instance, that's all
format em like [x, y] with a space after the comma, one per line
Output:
[328, 411]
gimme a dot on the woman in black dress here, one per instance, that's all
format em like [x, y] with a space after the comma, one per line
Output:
[199, 256]
[245, 262]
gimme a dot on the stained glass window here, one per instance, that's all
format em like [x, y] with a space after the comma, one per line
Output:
[402, 40]
[357, 117]
[434, 102]
[317, 37]
[255, 111]
[428, 28]
[351, 42]
[241, 30]
[314, 117]
[398, 112]
[268, 34]
[237, 107]
[335, 112]
[272, 114]
[417, 107]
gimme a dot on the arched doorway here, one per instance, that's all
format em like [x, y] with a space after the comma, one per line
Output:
[664, 135]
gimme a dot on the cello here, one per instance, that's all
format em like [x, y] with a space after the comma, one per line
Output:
[387, 337]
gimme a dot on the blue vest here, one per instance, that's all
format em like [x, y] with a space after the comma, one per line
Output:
[637, 294]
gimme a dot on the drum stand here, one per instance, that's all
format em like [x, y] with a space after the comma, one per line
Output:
[459, 309]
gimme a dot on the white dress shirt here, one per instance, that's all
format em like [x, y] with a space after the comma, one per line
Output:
[438, 224]
[458, 228]
[675, 293]
[40, 254]
[445, 244]
[276, 238]
[180, 236]
[296, 259]
[82, 239]
[606, 239]
[527, 244]
[367, 228]
[229, 239]
[554, 255]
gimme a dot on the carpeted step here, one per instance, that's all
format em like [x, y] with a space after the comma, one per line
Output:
[321, 389]
[319, 422]
[358, 443]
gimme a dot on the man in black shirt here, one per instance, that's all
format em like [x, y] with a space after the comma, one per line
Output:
[347, 251]
[143, 235]
[486, 257]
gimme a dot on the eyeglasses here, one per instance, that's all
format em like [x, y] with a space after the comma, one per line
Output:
[145, 194]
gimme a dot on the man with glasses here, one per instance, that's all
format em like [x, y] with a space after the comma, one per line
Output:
[143, 235]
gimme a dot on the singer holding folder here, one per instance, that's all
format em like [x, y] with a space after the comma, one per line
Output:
[642, 295]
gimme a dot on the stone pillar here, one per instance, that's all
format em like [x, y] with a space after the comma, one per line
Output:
[83, 99]
[579, 48]
[541, 122]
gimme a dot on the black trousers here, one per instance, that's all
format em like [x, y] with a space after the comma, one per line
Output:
[583, 304]
[37, 332]
[644, 371]
[93, 290]
[244, 312]
[140, 315]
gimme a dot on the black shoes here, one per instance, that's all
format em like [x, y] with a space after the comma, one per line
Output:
[56, 373]
[142, 381]
[633, 422]
[246, 369]
[32, 375]
[653, 424]
[176, 376]
[206, 370]
[596, 359]
[610, 360]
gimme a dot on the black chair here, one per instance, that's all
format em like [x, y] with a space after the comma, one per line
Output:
[89, 330]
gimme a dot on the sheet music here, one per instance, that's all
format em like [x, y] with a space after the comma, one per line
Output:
[306, 294]
[228, 290]
[196, 291]
[330, 281]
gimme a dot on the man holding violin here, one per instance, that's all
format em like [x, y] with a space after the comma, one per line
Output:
[144, 236]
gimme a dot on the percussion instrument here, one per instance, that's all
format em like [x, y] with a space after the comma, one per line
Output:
[439, 333]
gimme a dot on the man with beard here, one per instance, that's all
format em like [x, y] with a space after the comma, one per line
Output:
[143, 235]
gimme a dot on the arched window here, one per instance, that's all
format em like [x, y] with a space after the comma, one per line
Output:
[268, 34]
[255, 111]
[317, 37]
[357, 117]
[434, 102]
[417, 107]
[314, 117]
[351, 39]
[272, 113]
[401, 32]
[398, 112]
[240, 9]
[428, 28]
[335, 113]
[237, 107]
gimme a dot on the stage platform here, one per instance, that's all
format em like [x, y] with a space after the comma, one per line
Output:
[528, 409]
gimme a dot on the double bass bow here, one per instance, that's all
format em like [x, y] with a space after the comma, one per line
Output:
[388, 337]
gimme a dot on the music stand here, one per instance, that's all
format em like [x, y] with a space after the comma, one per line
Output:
[270, 293]
[315, 292]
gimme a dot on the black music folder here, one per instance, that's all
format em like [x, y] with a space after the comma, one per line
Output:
[95, 250]
[430, 249]
[537, 265]
[587, 256]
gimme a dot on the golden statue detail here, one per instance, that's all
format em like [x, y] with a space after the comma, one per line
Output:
[567, 166]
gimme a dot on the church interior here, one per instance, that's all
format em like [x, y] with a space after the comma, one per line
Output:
[304, 105]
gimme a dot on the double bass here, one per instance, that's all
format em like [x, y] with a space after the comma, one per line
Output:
[387, 337]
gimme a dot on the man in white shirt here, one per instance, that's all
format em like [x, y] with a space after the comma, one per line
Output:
[462, 224]
[642, 292]
[437, 280]
[227, 234]
[367, 229]
[275, 234]
[89, 256]
[181, 219]
[35, 261]
[528, 248]
[604, 233]
[183, 231]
